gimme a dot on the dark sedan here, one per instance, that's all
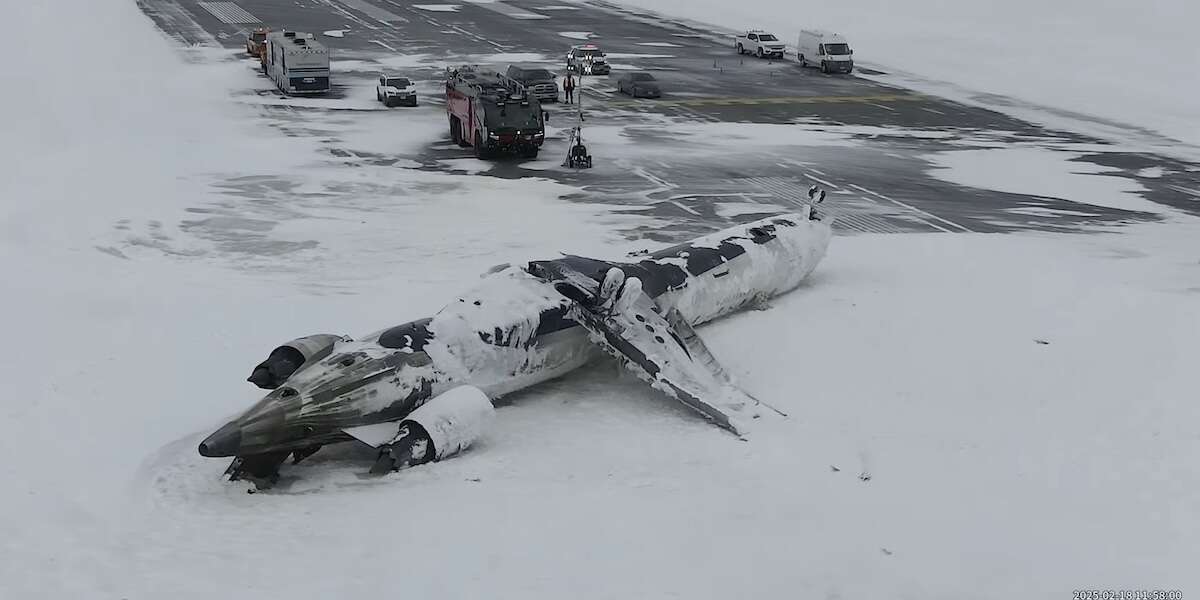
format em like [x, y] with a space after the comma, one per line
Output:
[639, 85]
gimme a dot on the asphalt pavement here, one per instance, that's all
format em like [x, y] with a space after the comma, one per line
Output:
[879, 184]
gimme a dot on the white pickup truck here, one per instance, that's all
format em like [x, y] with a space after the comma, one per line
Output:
[759, 43]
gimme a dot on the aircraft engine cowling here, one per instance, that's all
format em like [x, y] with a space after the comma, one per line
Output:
[442, 427]
[284, 360]
[454, 419]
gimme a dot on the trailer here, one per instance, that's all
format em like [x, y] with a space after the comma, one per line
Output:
[493, 113]
[296, 62]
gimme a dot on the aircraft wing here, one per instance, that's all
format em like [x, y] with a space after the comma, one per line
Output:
[661, 349]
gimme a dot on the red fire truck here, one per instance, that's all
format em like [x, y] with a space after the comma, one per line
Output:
[493, 113]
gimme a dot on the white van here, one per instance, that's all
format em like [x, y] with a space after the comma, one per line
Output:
[829, 50]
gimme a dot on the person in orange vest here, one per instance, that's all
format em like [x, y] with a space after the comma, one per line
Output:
[569, 88]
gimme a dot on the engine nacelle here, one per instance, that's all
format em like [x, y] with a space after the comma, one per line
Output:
[454, 419]
[442, 427]
[284, 360]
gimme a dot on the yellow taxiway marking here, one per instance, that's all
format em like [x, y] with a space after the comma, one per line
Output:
[717, 101]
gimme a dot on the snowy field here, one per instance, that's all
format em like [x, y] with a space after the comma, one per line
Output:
[1101, 59]
[983, 416]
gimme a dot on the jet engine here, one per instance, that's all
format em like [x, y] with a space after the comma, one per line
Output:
[442, 427]
[286, 359]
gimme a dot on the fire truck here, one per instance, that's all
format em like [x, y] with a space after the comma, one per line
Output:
[493, 113]
[256, 42]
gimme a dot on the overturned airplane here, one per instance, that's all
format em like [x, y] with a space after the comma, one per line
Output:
[422, 391]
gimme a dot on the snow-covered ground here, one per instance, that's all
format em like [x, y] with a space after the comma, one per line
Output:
[1104, 58]
[982, 416]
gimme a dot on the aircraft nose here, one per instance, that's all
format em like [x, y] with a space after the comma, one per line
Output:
[225, 441]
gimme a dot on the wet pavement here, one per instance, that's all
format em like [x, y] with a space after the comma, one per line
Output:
[670, 158]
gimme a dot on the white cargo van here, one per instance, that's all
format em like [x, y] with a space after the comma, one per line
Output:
[828, 50]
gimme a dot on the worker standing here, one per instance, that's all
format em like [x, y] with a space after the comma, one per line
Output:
[569, 88]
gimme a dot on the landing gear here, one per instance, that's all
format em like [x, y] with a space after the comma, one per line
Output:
[260, 469]
[263, 469]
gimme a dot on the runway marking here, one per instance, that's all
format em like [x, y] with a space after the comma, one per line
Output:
[663, 185]
[338, 8]
[676, 203]
[914, 209]
[845, 218]
[229, 13]
[719, 101]
[887, 108]
[932, 110]
[179, 24]
[818, 172]
[385, 45]
[696, 115]
[379, 14]
[1184, 190]
[511, 12]
[477, 37]
[819, 180]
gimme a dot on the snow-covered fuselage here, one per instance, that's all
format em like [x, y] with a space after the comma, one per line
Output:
[510, 332]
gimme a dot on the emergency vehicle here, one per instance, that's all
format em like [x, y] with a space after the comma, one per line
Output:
[493, 113]
[588, 59]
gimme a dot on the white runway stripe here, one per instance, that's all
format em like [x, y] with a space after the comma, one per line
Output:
[511, 12]
[373, 11]
[230, 13]
[844, 217]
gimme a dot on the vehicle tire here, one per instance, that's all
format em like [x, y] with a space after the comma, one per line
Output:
[740, 49]
[758, 52]
[378, 96]
[824, 67]
[634, 93]
[531, 153]
[803, 63]
[480, 152]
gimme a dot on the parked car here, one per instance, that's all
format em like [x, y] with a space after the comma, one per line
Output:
[392, 91]
[639, 84]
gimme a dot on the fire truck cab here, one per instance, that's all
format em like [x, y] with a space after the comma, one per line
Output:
[256, 41]
[493, 113]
